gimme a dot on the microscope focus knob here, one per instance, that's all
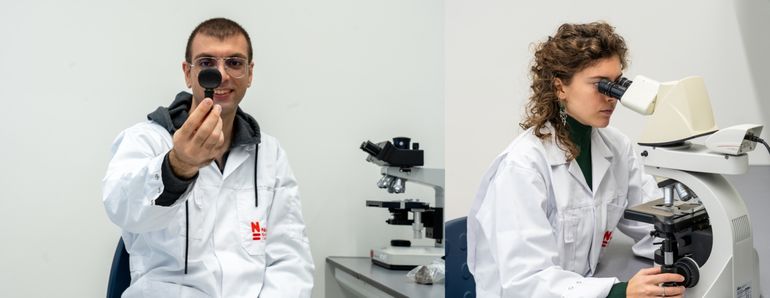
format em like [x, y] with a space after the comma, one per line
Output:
[688, 268]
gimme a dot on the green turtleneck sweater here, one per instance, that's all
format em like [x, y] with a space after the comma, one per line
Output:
[581, 136]
[618, 290]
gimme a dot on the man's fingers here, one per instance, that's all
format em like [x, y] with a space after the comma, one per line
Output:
[197, 116]
[202, 133]
[213, 140]
[207, 126]
[221, 141]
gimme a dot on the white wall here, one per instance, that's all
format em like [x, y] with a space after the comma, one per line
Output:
[328, 75]
[753, 19]
[488, 48]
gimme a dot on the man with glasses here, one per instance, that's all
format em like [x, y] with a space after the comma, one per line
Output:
[207, 203]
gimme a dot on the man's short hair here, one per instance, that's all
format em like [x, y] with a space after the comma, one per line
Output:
[220, 28]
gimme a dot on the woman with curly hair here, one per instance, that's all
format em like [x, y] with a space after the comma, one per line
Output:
[549, 204]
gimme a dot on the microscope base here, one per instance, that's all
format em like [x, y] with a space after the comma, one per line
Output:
[405, 258]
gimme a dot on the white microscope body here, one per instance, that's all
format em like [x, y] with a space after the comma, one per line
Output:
[414, 255]
[400, 164]
[680, 111]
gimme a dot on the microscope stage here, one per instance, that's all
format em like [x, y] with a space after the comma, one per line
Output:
[679, 216]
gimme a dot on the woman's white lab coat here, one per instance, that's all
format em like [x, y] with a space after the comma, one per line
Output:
[537, 230]
[235, 248]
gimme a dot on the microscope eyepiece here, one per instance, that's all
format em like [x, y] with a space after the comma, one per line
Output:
[371, 148]
[623, 81]
[401, 142]
[614, 89]
[396, 154]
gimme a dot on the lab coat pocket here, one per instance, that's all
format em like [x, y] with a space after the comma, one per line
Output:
[615, 209]
[252, 220]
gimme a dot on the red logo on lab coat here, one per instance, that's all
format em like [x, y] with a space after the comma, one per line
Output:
[607, 238]
[257, 232]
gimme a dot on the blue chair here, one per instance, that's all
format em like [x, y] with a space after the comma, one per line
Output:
[459, 280]
[120, 274]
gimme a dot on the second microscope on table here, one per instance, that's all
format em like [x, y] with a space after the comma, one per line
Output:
[401, 163]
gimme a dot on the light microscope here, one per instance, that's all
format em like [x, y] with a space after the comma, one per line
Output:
[400, 164]
[706, 234]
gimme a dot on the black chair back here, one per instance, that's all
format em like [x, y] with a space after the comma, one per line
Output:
[120, 274]
[459, 280]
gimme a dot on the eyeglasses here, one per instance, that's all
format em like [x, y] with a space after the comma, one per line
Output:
[235, 67]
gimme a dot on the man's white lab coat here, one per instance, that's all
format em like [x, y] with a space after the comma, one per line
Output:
[235, 249]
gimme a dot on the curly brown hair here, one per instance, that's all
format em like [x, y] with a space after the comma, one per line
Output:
[573, 48]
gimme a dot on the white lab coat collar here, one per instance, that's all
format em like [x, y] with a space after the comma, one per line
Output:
[238, 155]
[601, 158]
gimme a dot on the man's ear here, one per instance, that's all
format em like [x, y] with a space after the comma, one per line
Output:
[251, 72]
[186, 70]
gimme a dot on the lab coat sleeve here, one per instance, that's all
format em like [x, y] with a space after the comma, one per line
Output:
[289, 271]
[133, 181]
[522, 242]
[641, 188]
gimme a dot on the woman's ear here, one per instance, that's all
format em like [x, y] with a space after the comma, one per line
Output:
[558, 86]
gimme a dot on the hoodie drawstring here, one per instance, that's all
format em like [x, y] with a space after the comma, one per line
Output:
[256, 191]
[186, 233]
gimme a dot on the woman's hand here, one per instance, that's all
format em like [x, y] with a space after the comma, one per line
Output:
[647, 283]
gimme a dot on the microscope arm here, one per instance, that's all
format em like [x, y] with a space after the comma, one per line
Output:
[733, 241]
[426, 176]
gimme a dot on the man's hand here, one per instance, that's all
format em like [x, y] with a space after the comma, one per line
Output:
[199, 141]
[646, 283]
